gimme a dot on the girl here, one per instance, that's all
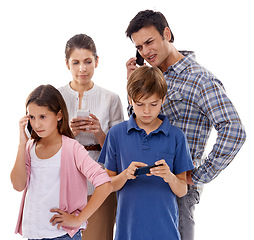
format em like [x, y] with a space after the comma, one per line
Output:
[52, 168]
[105, 111]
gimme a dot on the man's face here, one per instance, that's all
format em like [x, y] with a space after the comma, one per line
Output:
[152, 46]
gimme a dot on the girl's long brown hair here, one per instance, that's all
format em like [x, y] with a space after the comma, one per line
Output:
[48, 96]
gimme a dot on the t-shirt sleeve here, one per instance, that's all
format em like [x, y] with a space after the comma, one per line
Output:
[108, 154]
[182, 161]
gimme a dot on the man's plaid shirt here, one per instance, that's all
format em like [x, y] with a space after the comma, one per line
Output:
[195, 102]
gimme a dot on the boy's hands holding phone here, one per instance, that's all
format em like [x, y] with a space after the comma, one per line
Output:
[162, 171]
[130, 171]
[138, 168]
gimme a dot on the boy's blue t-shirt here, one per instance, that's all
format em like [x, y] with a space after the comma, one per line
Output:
[147, 208]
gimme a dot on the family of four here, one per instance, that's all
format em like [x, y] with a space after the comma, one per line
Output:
[82, 174]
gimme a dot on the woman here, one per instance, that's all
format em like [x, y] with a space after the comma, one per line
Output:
[105, 111]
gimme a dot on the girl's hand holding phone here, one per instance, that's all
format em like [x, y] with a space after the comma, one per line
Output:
[22, 125]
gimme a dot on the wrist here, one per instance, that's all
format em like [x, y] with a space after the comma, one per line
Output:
[80, 219]
[170, 177]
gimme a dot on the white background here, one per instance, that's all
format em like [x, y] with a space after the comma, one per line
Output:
[32, 41]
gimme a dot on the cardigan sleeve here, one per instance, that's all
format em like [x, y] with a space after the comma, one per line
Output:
[89, 168]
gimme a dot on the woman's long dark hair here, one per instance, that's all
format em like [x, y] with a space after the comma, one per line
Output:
[48, 96]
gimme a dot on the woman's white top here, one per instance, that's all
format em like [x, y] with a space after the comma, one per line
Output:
[42, 195]
[104, 104]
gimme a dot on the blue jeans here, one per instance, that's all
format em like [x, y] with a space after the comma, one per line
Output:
[186, 207]
[77, 236]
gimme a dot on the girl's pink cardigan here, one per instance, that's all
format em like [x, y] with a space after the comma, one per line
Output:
[76, 167]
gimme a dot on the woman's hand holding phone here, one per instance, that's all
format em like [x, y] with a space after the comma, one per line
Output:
[79, 124]
[89, 124]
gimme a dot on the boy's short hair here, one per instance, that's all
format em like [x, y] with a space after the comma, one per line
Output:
[148, 18]
[146, 81]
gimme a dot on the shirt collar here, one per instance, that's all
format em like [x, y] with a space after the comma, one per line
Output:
[73, 92]
[178, 67]
[164, 127]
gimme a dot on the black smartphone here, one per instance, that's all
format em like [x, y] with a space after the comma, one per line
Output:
[140, 59]
[29, 127]
[145, 170]
[28, 130]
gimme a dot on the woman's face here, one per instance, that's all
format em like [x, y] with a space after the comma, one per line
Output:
[82, 64]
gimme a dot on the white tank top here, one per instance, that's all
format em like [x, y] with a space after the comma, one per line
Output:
[42, 195]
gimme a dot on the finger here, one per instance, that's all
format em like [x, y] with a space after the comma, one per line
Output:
[162, 161]
[61, 224]
[131, 61]
[55, 219]
[75, 120]
[93, 116]
[57, 210]
[139, 164]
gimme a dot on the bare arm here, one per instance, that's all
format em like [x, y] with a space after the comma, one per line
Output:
[18, 174]
[177, 183]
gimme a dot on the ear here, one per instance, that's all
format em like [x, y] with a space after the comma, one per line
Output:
[59, 115]
[96, 62]
[167, 34]
[67, 64]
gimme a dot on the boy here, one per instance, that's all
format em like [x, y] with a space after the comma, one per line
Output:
[147, 207]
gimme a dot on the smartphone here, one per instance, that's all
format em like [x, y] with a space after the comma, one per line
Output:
[83, 113]
[28, 130]
[140, 59]
[145, 170]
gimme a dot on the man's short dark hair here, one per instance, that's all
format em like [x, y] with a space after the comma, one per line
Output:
[148, 18]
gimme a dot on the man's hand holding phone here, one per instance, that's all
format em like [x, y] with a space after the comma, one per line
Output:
[132, 63]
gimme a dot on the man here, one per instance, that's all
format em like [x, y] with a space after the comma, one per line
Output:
[195, 102]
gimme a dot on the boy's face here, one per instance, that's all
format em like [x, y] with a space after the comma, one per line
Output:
[152, 46]
[147, 110]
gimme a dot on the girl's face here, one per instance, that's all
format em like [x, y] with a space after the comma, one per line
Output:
[43, 121]
[82, 64]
